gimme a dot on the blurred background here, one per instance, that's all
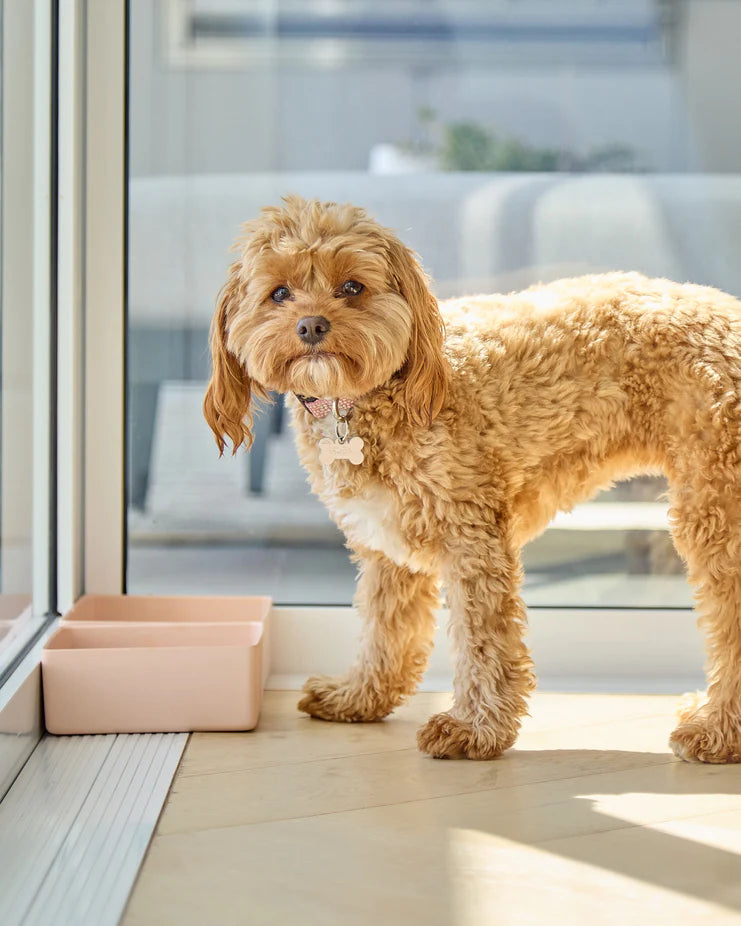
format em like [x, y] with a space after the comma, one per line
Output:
[507, 141]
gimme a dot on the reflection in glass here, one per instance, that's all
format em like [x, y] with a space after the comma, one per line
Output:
[507, 143]
[18, 406]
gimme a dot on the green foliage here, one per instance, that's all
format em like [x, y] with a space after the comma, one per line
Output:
[468, 146]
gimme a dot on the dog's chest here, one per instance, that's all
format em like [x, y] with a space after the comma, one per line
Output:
[369, 518]
[365, 509]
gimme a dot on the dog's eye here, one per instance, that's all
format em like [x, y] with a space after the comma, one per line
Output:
[351, 288]
[280, 294]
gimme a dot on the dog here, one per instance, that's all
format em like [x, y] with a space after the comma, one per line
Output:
[443, 437]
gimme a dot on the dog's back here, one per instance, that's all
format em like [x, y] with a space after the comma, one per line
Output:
[588, 380]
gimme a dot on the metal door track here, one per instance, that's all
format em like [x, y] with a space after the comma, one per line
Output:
[76, 824]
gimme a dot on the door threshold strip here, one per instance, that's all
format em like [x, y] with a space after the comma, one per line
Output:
[76, 825]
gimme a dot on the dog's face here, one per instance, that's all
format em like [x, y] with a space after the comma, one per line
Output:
[319, 313]
[322, 301]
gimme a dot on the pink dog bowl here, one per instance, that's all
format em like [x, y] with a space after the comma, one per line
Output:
[156, 665]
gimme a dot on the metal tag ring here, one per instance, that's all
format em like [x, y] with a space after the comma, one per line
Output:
[336, 411]
[341, 429]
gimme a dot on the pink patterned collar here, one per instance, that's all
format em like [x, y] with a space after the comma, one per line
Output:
[320, 408]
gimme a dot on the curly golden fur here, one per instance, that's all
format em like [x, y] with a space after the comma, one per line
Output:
[477, 430]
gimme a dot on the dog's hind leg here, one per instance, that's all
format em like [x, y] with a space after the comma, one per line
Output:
[398, 607]
[494, 672]
[707, 532]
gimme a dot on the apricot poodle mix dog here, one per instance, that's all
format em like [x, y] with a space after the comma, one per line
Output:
[444, 437]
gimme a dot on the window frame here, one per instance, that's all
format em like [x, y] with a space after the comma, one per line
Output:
[105, 298]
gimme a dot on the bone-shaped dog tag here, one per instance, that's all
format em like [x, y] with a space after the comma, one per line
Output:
[331, 450]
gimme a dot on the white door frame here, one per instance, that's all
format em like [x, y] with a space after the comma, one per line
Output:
[105, 282]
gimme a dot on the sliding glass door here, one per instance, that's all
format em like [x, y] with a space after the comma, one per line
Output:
[26, 473]
[507, 143]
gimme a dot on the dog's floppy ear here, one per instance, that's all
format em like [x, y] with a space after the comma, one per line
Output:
[425, 371]
[226, 406]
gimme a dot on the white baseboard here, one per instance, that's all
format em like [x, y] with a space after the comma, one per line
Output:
[574, 650]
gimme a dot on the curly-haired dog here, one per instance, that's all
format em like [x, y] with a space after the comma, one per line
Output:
[475, 432]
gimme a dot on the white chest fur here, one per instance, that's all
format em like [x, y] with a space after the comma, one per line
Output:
[370, 519]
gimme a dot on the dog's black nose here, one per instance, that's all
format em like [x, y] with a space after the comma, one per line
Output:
[313, 329]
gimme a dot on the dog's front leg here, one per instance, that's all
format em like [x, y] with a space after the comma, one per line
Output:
[494, 672]
[397, 606]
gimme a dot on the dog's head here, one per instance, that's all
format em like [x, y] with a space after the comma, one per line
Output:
[322, 301]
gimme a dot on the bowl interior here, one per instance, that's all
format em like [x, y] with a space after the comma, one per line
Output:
[130, 636]
[157, 608]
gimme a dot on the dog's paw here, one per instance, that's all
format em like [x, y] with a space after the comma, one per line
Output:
[446, 737]
[342, 699]
[689, 704]
[702, 738]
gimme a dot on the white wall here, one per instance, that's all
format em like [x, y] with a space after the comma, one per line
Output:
[710, 83]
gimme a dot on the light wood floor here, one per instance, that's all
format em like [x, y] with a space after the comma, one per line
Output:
[589, 819]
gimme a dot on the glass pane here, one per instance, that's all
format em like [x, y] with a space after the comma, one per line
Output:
[507, 143]
[21, 403]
